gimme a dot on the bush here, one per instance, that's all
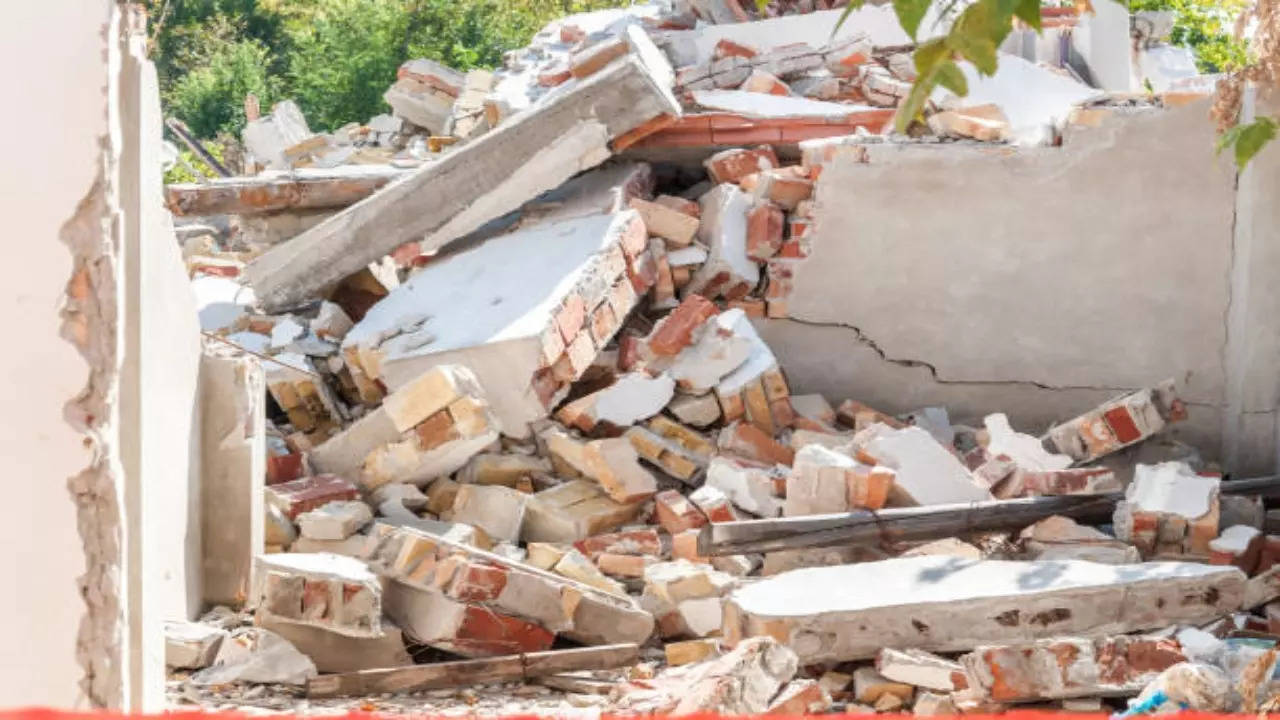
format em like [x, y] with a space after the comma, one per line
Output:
[210, 98]
[1206, 27]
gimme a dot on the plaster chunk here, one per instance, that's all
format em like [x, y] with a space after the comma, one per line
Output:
[926, 473]
[631, 398]
[1026, 451]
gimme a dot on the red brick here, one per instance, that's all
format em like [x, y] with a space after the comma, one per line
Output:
[283, 468]
[634, 238]
[675, 331]
[764, 231]
[628, 542]
[676, 513]
[642, 131]
[435, 430]
[762, 82]
[751, 442]
[570, 317]
[476, 582]
[315, 600]
[554, 75]
[299, 496]
[484, 632]
[571, 34]
[1122, 424]
[728, 48]
[746, 136]
[587, 62]
[643, 272]
[732, 165]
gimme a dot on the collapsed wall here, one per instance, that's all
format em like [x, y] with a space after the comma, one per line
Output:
[1036, 280]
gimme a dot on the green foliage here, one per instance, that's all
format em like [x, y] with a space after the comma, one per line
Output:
[1205, 26]
[210, 98]
[1246, 139]
[335, 57]
[975, 36]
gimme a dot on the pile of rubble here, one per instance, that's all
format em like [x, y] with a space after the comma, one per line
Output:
[518, 411]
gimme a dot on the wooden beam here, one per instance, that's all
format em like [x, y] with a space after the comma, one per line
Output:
[180, 129]
[923, 523]
[506, 668]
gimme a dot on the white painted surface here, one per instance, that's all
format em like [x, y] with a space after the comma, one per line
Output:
[1033, 98]
[937, 579]
[1171, 487]
[764, 105]
[61, 84]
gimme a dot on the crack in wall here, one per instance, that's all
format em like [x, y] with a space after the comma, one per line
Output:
[933, 369]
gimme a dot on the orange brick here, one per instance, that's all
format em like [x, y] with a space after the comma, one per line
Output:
[675, 331]
[676, 513]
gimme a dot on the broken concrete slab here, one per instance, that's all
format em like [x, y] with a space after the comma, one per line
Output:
[256, 655]
[1169, 508]
[1061, 538]
[555, 293]
[921, 669]
[328, 591]
[431, 426]
[333, 652]
[945, 604]
[191, 645]
[534, 151]
[1067, 667]
[476, 603]
[271, 192]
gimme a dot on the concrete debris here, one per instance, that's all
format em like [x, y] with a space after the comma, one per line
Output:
[1062, 668]
[256, 655]
[191, 645]
[945, 604]
[517, 339]
[333, 592]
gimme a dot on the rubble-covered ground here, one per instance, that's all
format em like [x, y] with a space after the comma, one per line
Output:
[519, 448]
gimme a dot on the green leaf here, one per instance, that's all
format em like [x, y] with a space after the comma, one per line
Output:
[848, 10]
[976, 49]
[910, 13]
[930, 55]
[910, 108]
[952, 78]
[761, 5]
[1028, 11]
[1248, 139]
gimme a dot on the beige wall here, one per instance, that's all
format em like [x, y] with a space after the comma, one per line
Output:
[54, 79]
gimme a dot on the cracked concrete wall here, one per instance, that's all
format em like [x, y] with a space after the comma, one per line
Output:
[1038, 282]
[1252, 351]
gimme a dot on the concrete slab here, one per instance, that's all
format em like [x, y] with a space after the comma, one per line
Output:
[945, 604]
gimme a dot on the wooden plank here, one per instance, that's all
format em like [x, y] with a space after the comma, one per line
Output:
[923, 523]
[506, 668]
[535, 151]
